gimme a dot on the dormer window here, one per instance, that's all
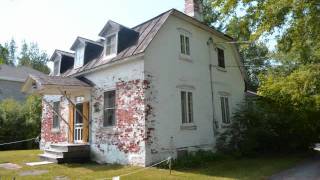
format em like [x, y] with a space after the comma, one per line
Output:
[56, 70]
[111, 45]
[79, 56]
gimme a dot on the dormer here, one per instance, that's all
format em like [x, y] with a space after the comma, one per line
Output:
[85, 51]
[117, 38]
[62, 61]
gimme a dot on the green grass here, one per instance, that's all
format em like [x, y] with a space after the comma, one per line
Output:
[224, 168]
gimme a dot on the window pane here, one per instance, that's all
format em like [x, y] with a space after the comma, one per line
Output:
[223, 109]
[56, 68]
[221, 61]
[56, 108]
[109, 118]
[109, 108]
[183, 107]
[190, 107]
[182, 45]
[79, 118]
[111, 45]
[109, 99]
[187, 46]
[227, 110]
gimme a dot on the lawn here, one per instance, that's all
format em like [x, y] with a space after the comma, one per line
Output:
[224, 168]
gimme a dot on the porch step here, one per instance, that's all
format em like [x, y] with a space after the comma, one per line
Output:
[66, 153]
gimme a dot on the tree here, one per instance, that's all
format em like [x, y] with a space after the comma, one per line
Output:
[3, 55]
[33, 57]
[294, 23]
[12, 48]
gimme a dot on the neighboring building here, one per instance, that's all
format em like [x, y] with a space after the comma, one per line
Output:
[159, 89]
[12, 79]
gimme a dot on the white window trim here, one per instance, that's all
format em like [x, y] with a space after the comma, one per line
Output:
[188, 123]
[76, 66]
[56, 129]
[115, 108]
[59, 66]
[225, 95]
[109, 56]
[185, 33]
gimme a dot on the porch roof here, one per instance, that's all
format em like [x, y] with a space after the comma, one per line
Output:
[54, 85]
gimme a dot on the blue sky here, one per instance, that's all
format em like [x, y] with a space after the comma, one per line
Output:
[54, 24]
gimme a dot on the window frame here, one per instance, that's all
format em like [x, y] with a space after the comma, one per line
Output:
[59, 67]
[225, 109]
[185, 49]
[116, 45]
[114, 108]
[80, 50]
[187, 117]
[221, 62]
[56, 119]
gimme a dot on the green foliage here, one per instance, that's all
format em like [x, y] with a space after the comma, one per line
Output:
[3, 55]
[19, 120]
[295, 24]
[12, 48]
[300, 88]
[32, 56]
[264, 126]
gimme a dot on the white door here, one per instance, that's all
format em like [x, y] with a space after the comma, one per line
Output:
[78, 124]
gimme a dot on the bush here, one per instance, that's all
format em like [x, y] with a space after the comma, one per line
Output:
[19, 121]
[263, 126]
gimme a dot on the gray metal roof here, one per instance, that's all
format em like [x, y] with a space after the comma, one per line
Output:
[58, 81]
[20, 74]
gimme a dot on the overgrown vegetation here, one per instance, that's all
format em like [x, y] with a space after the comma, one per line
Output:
[262, 126]
[19, 121]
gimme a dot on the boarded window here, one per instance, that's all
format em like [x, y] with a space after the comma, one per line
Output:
[186, 107]
[221, 61]
[184, 45]
[109, 108]
[225, 113]
[111, 43]
[56, 119]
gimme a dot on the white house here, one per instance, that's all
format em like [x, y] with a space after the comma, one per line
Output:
[139, 95]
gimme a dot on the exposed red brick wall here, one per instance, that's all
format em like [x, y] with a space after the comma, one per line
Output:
[46, 127]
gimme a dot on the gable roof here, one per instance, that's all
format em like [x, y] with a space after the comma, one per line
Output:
[64, 53]
[18, 74]
[147, 32]
[83, 40]
[113, 25]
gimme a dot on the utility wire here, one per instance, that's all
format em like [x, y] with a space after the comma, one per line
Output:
[25, 140]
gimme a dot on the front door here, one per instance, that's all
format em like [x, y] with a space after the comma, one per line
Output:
[78, 123]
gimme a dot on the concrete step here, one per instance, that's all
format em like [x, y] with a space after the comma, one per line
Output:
[70, 147]
[50, 158]
[73, 154]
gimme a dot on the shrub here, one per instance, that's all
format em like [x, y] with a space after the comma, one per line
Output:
[262, 126]
[19, 121]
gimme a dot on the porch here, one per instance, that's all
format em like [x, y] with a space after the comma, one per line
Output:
[74, 98]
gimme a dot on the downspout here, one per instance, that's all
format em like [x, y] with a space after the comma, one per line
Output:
[214, 122]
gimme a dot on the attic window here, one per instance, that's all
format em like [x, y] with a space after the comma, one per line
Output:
[79, 55]
[56, 71]
[111, 45]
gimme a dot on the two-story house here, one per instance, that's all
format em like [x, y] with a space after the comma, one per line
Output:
[139, 95]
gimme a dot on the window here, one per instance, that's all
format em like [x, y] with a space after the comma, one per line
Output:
[186, 107]
[109, 108]
[56, 118]
[221, 62]
[184, 44]
[78, 60]
[225, 113]
[111, 45]
[56, 70]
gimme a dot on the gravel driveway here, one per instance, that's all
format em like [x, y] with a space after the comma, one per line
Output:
[308, 170]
